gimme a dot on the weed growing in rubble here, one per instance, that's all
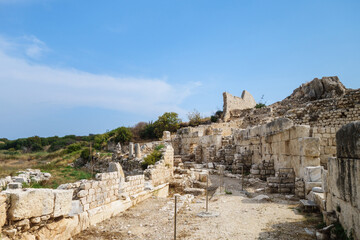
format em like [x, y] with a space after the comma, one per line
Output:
[152, 158]
[228, 192]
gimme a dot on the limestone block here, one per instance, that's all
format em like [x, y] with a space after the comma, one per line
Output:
[309, 147]
[63, 202]
[285, 136]
[85, 186]
[3, 208]
[348, 141]
[310, 185]
[166, 136]
[14, 185]
[278, 125]
[313, 174]
[30, 203]
[299, 131]
[76, 208]
[59, 230]
[344, 178]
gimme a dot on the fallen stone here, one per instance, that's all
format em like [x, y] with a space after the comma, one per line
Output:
[194, 191]
[262, 198]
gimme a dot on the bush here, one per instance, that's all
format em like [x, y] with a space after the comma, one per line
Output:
[218, 115]
[148, 132]
[73, 147]
[159, 147]
[194, 118]
[61, 143]
[137, 130]
[169, 121]
[85, 154]
[261, 103]
[151, 159]
[36, 147]
[123, 135]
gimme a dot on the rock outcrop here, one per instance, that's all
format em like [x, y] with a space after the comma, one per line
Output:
[326, 87]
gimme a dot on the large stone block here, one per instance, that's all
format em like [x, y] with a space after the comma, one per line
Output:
[63, 201]
[30, 203]
[310, 185]
[309, 147]
[3, 208]
[278, 125]
[299, 132]
[348, 141]
[313, 174]
[344, 179]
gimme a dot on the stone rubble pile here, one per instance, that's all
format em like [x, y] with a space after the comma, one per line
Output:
[27, 176]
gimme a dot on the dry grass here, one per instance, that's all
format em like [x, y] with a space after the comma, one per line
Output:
[56, 163]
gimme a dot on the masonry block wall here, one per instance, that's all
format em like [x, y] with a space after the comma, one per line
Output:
[63, 212]
[343, 179]
[281, 143]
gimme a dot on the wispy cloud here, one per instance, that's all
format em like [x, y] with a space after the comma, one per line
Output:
[25, 84]
[26, 46]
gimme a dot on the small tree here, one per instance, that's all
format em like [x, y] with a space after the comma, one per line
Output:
[148, 132]
[123, 135]
[194, 118]
[169, 121]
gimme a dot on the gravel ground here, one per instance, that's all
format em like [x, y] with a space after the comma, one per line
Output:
[240, 217]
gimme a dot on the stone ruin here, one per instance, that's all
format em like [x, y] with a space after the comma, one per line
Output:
[307, 145]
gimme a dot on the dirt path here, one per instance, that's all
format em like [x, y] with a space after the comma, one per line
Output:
[240, 217]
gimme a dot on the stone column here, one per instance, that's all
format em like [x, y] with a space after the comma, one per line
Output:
[137, 150]
[131, 150]
[118, 148]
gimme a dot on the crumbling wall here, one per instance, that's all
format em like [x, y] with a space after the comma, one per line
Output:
[281, 143]
[64, 212]
[329, 112]
[327, 142]
[343, 179]
[233, 103]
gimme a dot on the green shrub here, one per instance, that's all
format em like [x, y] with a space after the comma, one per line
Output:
[123, 135]
[148, 132]
[260, 105]
[169, 121]
[85, 154]
[159, 147]
[73, 147]
[151, 159]
[36, 147]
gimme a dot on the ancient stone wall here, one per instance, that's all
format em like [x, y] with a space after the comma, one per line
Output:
[327, 142]
[331, 112]
[233, 103]
[281, 143]
[64, 212]
[343, 179]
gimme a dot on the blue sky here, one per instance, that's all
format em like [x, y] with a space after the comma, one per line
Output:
[80, 67]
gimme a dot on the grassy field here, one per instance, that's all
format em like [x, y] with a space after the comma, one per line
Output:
[56, 163]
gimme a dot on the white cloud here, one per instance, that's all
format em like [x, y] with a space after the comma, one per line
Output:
[25, 46]
[26, 85]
